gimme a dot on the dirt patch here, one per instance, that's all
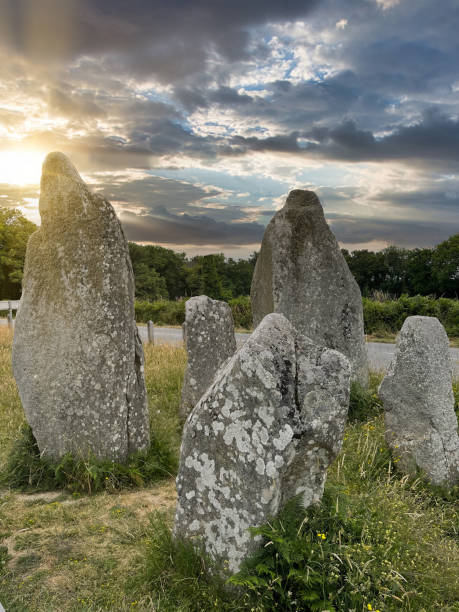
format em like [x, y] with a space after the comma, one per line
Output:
[48, 496]
[143, 501]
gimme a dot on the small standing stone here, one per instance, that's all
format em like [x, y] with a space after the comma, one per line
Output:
[421, 425]
[209, 338]
[265, 431]
[77, 356]
[301, 273]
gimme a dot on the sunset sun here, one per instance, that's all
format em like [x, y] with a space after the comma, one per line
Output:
[21, 167]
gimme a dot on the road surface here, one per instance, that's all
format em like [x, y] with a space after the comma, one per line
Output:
[379, 354]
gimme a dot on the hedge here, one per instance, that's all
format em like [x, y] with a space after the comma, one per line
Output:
[380, 317]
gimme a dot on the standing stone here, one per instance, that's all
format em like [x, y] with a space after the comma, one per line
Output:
[209, 338]
[77, 356]
[265, 431]
[417, 393]
[301, 273]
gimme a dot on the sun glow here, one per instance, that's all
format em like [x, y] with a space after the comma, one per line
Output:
[21, 167]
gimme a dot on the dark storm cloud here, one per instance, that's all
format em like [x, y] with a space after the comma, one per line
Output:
[434, 140]
[152, 191]
[163, 227]
[178, 212]
[400, 232]
[123, 81]
[170, 39]
[155, 195]
[446, 200]
[76, 105]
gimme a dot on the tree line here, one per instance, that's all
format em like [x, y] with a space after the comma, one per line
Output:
[164, 274]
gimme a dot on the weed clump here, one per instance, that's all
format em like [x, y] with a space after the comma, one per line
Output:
[377, 541]
[26, 469]
[183, 578]
[364, 404]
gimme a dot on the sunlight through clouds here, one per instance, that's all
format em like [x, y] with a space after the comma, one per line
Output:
[355, 100]
[21, 167]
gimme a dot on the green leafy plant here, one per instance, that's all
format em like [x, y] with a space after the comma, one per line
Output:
[364, 404]
[183, 577]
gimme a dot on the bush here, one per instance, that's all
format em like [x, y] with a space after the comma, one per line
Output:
[382, 317]
[242, 312]
[161, 312]
[377, 541]
[169, 312]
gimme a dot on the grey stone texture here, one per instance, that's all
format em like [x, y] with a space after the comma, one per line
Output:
[77, 356]
[265, 431]
[209, 338]
[301, 273]
[417, 393]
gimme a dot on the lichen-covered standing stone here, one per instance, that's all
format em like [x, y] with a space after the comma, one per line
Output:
[417, 393]
[77, 356]
[265, 431]
[208, 332]
[301, 273]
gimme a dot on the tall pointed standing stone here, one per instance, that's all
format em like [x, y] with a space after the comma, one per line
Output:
[301, 273]
[77, 356]
[417, 393]
[209, 339]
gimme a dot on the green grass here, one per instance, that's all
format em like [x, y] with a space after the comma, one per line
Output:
[385, 541]
[365, 404]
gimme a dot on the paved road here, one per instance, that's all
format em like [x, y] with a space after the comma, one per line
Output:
[379, 354]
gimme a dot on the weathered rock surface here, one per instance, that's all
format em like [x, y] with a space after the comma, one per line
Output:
[265, 431]
[77, 356]
[209, 338]
[301, 273]
[417, 393]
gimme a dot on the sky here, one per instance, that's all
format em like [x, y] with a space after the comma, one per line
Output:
[196, 118]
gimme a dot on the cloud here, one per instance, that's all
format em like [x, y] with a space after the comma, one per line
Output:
[433, 140]
[171, 40]
[165, 228]
[13, 196]
[241, 97]
[404, 233]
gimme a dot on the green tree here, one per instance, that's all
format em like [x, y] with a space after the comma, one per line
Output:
[206, 276]
[15, 230]
[395, 280]
[419, 272]
[239, 274]
[445, 267]
[149, 285]
[163, 263]
[368, 268]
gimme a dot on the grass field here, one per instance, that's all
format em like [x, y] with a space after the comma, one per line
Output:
[386, 543]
